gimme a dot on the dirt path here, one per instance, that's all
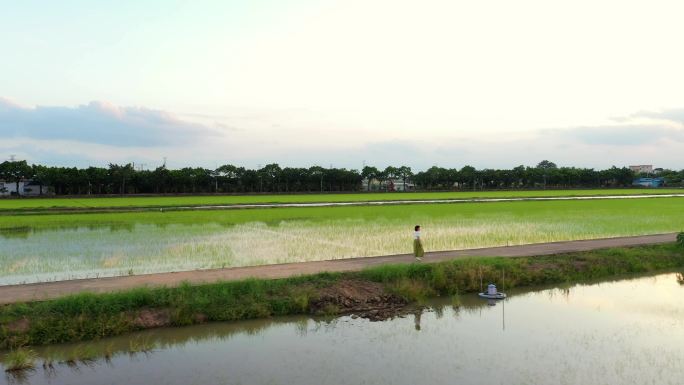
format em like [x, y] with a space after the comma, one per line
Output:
[48, 290]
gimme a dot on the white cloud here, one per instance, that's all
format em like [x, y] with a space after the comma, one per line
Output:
[98, 123]
[673, 116]
[636, 130]
[251, 137]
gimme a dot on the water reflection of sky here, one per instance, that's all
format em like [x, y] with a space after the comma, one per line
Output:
[623, 332]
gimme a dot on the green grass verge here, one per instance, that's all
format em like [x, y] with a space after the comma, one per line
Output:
[205, 200]
[92, 316]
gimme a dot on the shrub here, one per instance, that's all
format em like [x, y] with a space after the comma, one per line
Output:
[680, 239]
[19, 360]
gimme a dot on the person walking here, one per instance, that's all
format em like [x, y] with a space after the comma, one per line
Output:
[418, 251]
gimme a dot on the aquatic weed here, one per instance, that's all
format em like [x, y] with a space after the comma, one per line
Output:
[21, 359]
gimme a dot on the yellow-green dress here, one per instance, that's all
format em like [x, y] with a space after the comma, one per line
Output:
[418, 251]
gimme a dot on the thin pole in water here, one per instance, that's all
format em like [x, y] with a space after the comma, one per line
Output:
[503, 280]
[503, 315]
[480, 270]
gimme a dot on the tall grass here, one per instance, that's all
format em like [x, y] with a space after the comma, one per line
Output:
[680, 239]
[20, 359]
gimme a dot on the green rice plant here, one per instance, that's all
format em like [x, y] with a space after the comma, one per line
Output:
[60, 247]
[204, 200]
[21, 359]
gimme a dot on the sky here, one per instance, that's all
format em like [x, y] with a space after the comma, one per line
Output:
[494, 83]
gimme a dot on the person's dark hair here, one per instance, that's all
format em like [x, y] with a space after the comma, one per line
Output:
[417, 228]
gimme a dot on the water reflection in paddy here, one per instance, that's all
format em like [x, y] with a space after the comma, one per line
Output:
[624, 332]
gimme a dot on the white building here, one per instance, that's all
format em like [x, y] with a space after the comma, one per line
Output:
[642, 168]
[387, 185]
[26, 188]
[400, 185]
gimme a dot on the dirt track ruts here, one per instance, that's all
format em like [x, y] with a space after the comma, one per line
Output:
[49, 290]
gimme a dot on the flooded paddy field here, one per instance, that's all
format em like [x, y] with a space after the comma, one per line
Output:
[629, 331]
[39, 248]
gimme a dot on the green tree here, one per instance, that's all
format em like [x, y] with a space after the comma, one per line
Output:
[118, 175]
[369, 173]
[390, 173]
[317, 172]
[272, 174]
[40, 176]
[15, 172]
[405, 173]
[97, 179]
[468, 176]
[546, 166]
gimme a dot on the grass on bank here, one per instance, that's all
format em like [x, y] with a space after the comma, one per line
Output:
[204, 200]
[92, 316]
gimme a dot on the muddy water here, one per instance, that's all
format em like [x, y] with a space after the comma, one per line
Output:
[623, 332]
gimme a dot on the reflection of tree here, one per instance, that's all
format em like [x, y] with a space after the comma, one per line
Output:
[302, 327]
[122, 227]
[416, 318]
[22, 232]
[439, 310]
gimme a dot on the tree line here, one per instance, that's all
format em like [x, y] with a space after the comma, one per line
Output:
[125, 179]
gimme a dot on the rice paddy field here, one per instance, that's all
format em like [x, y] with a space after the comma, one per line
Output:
[51, 247]
[172, 201]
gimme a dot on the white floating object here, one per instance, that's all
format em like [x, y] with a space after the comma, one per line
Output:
[492, 293]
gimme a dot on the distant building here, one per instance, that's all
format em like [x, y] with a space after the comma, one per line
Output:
[387, 185]
[26, 188]
[649, 182]
[400, 185]
[642, 169]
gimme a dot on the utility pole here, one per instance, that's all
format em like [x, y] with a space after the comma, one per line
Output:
[261, 181]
